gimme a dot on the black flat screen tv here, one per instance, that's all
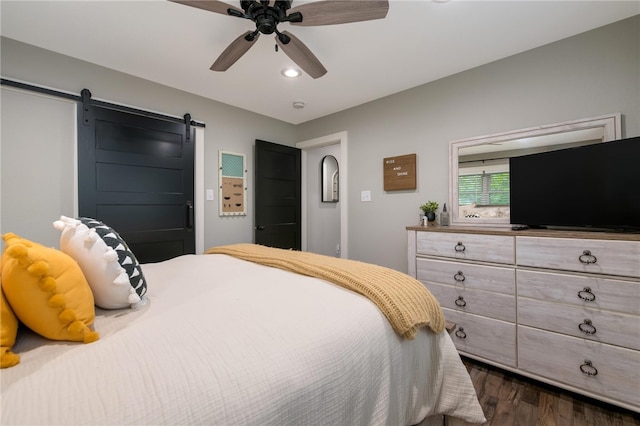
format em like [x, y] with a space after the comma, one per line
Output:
[588, 187]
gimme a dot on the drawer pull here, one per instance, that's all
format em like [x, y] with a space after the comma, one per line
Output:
[460, 247]
[459, 276]
[588, 369]
[460, 302]
[585, 294]
[460, 333]
[586, 327]
[587, 258]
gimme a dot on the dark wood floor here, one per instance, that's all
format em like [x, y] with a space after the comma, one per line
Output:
[508, 399]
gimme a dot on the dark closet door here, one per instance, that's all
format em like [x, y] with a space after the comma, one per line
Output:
[136, 174]
[278, 195]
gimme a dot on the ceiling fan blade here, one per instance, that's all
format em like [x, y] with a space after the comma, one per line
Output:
[301, 55]
[233, 52]
[332, 12]
[210, 5]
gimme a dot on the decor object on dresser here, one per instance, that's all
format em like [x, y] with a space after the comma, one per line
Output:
[444, 216]
[576, 292]
[430, 208]
[228, 341]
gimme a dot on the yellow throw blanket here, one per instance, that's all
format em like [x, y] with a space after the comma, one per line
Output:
[406, 303]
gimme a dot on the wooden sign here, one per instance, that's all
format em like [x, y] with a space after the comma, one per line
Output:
[399, 172]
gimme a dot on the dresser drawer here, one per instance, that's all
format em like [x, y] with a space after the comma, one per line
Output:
[467, 275]
[487, 248]
[493, 305]
[593, 256]
[593, 324]
[579, 290]
[484, 337]
[618, 369]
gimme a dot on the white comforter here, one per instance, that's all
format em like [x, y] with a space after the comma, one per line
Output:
[227, 342]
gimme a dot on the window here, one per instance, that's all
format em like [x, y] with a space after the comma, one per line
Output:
[486, 189]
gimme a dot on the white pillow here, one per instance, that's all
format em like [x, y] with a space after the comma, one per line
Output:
[111, 269]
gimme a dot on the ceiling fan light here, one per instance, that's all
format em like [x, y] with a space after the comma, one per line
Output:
[295, 17]
[252, 36]
[284, 39]
[291, 72]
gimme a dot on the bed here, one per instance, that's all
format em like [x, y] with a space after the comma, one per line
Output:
[225, 341]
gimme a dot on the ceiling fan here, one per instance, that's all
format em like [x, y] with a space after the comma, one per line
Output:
[268, 14]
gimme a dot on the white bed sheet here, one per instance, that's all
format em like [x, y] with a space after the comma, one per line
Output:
[227, 342]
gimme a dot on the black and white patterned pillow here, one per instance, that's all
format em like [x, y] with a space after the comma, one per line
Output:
[126, 258]
[112, 270]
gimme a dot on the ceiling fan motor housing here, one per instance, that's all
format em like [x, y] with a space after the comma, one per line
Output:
[266, 17]
[267, 21]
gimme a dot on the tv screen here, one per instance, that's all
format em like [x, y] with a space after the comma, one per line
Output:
[593, 186]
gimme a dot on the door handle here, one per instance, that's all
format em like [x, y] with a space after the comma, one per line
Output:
[189, 215]
[259, 228]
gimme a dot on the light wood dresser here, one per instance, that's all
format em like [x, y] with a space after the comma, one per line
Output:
[561, 307]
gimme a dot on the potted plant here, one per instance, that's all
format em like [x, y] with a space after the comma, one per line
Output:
[429, 208]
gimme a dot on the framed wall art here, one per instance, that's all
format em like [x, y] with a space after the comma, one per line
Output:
[233, 184]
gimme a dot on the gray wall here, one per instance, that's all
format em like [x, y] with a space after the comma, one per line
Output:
[588, 75]
[28, 192]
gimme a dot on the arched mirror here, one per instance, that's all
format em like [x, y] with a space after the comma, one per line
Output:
[330, 179]
[479, 167]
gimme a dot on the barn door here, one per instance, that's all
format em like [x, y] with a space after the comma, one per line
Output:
[278, 195]
[136, 174]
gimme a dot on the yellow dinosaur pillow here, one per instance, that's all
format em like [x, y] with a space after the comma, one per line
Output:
[47, 290]
[8, 332]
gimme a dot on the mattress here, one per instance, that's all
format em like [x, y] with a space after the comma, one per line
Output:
[223, 341]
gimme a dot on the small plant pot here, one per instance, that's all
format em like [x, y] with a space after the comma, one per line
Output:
[431, 216]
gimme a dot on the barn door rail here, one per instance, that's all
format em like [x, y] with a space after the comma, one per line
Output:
[85, 98]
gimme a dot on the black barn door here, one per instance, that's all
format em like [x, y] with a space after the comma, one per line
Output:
[278, 195]
[136, 174]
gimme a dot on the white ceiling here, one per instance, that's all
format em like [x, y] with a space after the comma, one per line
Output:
[419, 41]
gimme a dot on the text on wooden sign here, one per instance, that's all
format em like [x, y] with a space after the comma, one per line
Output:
[399, 172]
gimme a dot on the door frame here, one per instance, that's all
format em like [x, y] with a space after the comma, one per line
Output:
[339, 138]
[199, 189]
